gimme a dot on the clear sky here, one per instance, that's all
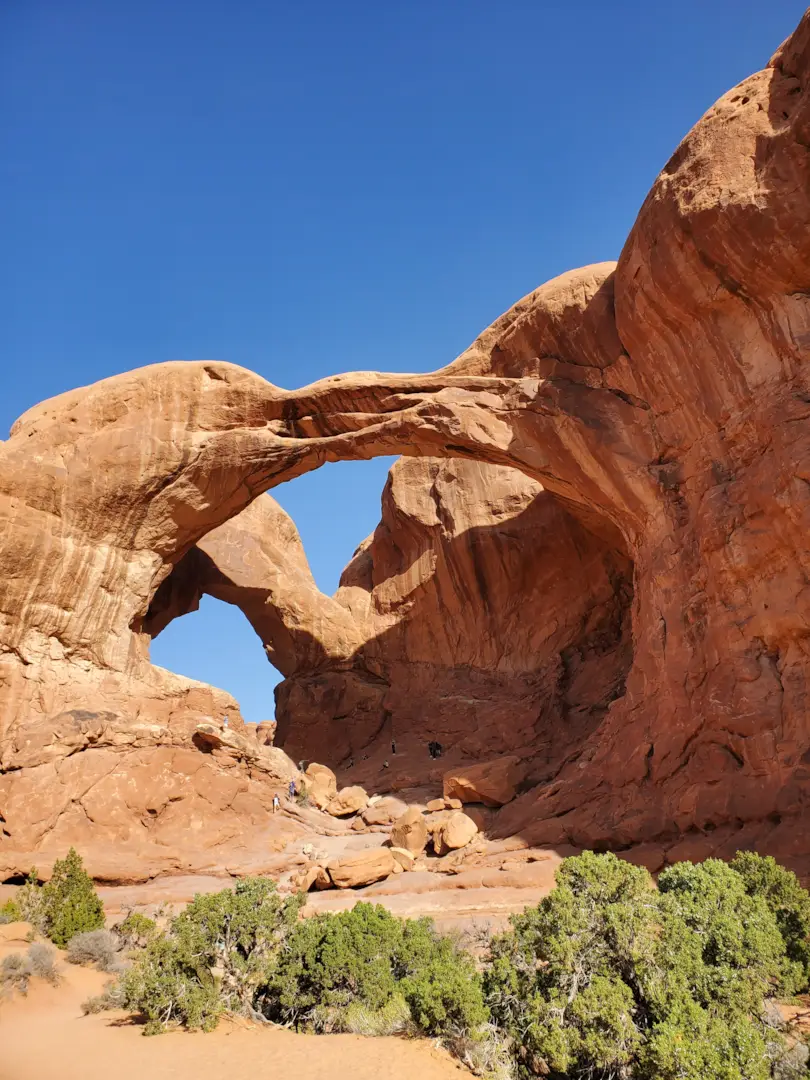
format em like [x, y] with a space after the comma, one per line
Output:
[313, 187]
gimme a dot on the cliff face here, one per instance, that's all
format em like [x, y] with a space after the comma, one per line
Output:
[664, 406]
[491, 620]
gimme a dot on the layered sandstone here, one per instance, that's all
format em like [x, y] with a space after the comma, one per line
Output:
[636, 630]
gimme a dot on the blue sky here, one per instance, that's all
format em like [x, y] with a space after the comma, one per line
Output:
[317, 187]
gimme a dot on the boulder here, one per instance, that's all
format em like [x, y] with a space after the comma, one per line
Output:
[493, 783]
[436, 819]
[321, 784]
[406, 859]
[435, 804]
[453, 804]
[347, 801]
[383, 811]
[314, 877]
[455, 832]
[410, 831]
[265, 732]
[362, 868]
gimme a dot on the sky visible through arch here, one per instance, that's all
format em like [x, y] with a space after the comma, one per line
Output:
[311, 188]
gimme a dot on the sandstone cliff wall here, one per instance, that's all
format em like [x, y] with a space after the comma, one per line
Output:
[663, 405]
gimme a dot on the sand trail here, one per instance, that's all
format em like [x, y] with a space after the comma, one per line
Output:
[45, 1037]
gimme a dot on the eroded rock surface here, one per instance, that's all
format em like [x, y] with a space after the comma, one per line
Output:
[636, 631]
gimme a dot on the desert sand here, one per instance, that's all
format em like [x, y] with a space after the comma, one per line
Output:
[44, 1036]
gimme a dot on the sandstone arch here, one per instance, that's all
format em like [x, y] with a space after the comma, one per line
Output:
[664, 399]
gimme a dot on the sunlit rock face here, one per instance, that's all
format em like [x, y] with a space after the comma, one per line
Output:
[627, 610]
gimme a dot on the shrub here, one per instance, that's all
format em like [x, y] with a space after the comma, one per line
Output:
[136, 931]
[97, 947]
[213, 957]
[111, 997]
[167, 985]
[787, 900]
[10, 912]
[42, 960]
[607, 976]
[360, 1019]
[30, 902]
[17, 969]
[485, 1052]
[367, 957]
[71, 904]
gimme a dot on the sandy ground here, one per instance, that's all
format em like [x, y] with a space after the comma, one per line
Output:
[45, 1037]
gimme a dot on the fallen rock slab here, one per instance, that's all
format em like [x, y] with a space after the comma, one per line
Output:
[383, 811]
[406, 859]
[321, 784]
[347, 801]
[410, 832]
[364, 868]
[493, 783]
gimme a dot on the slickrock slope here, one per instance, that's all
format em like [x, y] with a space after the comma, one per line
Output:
[662, 404]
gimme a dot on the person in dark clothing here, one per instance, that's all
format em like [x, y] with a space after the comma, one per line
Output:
[293, 789]
[393, 747]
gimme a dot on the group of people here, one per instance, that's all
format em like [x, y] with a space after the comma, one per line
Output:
[292, 791]
[434, 749]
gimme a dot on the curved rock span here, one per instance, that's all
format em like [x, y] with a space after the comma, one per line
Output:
[599, 562]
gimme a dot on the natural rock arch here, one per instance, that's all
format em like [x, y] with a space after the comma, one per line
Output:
[666, 396]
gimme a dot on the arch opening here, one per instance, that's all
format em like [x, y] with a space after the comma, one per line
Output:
[215, 644]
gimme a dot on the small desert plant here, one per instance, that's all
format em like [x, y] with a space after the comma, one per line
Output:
[15, 972]
[66, 906]
[30, 902]
[136, 931]
[111, 997]
[17, 969]
[10, 912]
[71, 903]
[486, 1052]
[100, 948]
[42, 959]
[393, 1018]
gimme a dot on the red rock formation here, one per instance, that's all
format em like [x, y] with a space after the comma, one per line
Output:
[489, 619]
[662, 403]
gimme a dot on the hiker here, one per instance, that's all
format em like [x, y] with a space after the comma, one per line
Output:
[438, 748]
[293, 790]
[385, 765]
[393, 747]
[224, 721]
[276, 803]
